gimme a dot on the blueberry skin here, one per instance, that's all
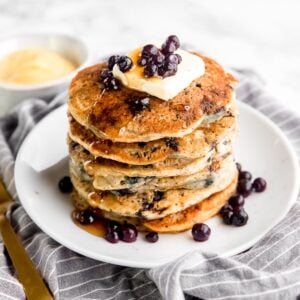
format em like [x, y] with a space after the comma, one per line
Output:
[149, 51]
[244, 187]
[152, 237]
[227, 217]
[124, 63]
[112, 236]
[150, 70]
[128, 233]
[171, 44]
[201, 232]
[111, 83]
[259, 185]
[237, 201]
[112, 61]
[65, 185]
[239, 218]
[84, 216]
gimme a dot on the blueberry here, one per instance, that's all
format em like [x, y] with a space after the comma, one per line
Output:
[239, 166]
[244, 187]
[236, 201]
[149, 51]
[112, 236]
[142, 61]
[171, 44]
[106, 74]
[201, 232]
[124, 63]
[170, 73]
[150, 70]
[158, 58]
[111, 83]
[239, 218]
[169, 66]
[245, 175]
[113, 226]
[158, 195]
[128, 233]
[179, 58]
[259, 185]
[65, 185]
[226, 213]
[84, 216]
[225, 209]
[161, 71]
[227, 217]
[171, 58]
[112, 61]
[152, 237]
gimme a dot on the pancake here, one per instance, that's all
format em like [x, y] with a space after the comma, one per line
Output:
[201, 179]
[177, 222]
[149, 204]
[198, 213]
[189, 146]
[127, 115]
[167, 168]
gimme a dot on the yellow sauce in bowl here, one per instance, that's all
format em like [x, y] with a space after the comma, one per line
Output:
[34, 66]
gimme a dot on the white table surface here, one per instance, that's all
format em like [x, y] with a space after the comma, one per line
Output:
[263, 35]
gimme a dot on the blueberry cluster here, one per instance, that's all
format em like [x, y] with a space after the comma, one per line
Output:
[125, 232]
[124, 62]
[107, 78]
[109, 81]
[234, 213]
[115, 231]
[161, 62]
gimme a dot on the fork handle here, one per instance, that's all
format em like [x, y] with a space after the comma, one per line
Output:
[34, 286]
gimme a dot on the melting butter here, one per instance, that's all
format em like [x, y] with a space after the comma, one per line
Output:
[191, 67]
[33, 66]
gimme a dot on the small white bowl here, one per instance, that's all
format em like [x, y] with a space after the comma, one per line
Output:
[69, 46]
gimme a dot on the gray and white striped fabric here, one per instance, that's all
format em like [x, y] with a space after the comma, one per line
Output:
[269, 270]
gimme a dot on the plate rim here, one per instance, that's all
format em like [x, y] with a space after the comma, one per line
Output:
[149, 264]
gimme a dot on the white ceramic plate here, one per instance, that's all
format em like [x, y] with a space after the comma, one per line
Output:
[261, 148]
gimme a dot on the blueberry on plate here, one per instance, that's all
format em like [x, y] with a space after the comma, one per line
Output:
[239, 218]
[112, 236]
[236, 201]
[259, 185]
[128, 233]
[84, 217]
[65, 185]
[201, 232]
[244, 187]
[152, 237]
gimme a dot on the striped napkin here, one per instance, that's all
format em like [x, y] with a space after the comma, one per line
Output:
[269, 270]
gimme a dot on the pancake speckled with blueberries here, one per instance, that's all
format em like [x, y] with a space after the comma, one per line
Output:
[177, 222]
[166, 168]
[148, 204]
[151, 138]
[192, 145]
[218, 168]
[127, 115]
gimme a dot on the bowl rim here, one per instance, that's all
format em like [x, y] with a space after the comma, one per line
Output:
[51, 83]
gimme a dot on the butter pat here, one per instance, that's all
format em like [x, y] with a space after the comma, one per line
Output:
[189, 69]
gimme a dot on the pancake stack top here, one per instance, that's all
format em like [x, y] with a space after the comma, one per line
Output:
[161, 164]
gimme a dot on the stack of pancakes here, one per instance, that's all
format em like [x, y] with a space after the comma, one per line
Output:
[161, 165]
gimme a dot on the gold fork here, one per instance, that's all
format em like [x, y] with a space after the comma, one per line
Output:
[33, 284]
